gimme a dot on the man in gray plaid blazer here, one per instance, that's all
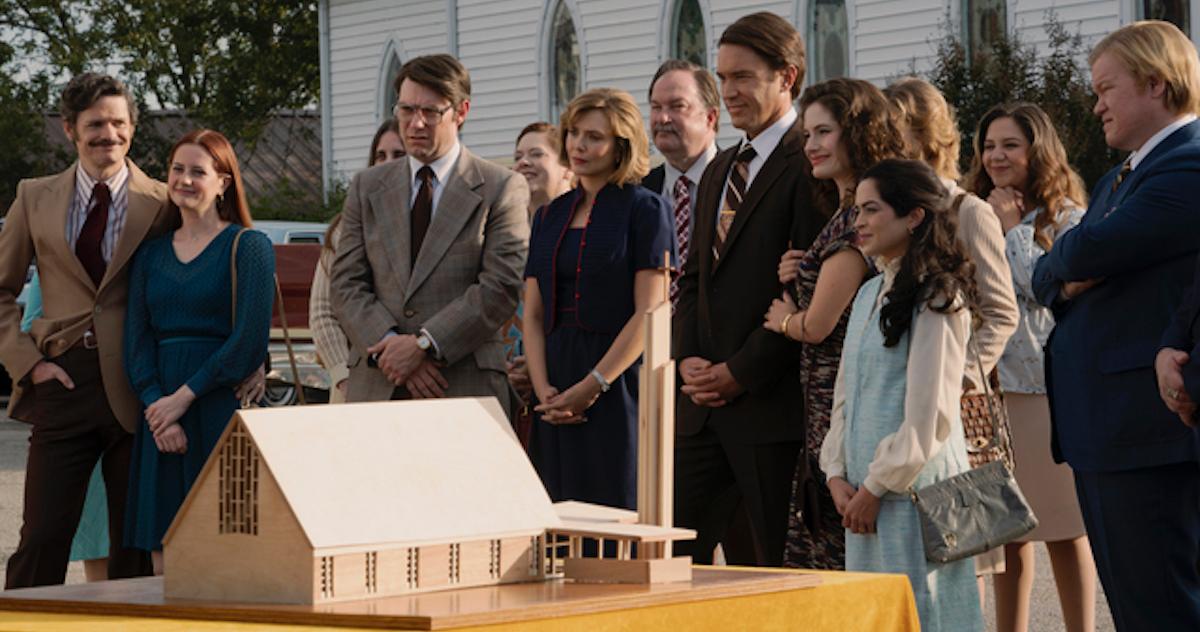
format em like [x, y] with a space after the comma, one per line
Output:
[432, 253]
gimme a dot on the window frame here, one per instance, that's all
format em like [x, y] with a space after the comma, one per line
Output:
[546, 66]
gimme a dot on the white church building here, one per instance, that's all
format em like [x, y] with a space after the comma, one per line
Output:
[527, 58]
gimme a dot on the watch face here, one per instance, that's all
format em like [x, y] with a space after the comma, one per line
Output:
[423, 343]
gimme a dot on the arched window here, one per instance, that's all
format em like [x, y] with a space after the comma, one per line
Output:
[566, 77]
[828, 39]
[1177, 12]
[387, 84]
[986, 24]
[689, 38]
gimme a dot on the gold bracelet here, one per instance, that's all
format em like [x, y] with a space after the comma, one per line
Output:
[783, 326]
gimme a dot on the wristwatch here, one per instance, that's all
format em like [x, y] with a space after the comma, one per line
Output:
[424, 343]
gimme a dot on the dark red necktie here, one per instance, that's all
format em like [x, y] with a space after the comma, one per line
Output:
[90, 245]
[683, 229]
[422, 210]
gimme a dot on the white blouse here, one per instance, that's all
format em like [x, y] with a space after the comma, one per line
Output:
[937, 347]
[1022, 367]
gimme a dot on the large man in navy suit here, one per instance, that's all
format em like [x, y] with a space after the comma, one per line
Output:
[1114, 283]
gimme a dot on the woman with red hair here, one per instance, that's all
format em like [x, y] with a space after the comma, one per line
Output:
[191, 335]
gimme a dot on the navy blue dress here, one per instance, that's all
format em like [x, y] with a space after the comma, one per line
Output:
[587, 304]
[179, 330]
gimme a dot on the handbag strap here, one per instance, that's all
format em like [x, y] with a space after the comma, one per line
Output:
[287, 338]
[987, 389]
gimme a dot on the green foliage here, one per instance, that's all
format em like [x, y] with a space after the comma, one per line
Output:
[291, 202]
[1011, 70]
[23, 145]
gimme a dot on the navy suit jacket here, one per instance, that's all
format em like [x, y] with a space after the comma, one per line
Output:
[1142, 240]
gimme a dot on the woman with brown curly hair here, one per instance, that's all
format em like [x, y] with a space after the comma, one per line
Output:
[895, 423]
[1020, 166]
[848, 128]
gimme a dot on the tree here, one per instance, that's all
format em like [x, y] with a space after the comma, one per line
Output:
[1011, 70]
[23, 147]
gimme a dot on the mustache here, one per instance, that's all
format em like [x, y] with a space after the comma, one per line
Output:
[105, 143]
[665, 128]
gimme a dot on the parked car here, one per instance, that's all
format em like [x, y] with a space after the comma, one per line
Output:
[297, 249]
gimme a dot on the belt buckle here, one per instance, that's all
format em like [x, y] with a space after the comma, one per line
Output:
[89, 340]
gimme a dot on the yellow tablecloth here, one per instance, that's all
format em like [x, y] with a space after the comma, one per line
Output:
[844, 602]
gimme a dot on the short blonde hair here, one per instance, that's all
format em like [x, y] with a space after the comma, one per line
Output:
[1157, 49]
[931, 122]
[625, 119]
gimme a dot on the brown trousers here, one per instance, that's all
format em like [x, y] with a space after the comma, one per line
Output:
[72, 429]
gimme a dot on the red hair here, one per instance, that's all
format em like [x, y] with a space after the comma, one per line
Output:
[232, 206]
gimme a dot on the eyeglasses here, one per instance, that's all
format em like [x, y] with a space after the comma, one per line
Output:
[429, 114]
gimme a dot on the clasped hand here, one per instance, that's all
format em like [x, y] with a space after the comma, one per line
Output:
[708, 384]
[568, 406]
[398, 356]
[859, 508]
[162, 417]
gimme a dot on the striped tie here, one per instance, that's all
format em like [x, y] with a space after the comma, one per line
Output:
[683, 228]
[734, 193]
[1126, 169]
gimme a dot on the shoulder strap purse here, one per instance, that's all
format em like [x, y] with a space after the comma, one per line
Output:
[287, 339]
[975, 511]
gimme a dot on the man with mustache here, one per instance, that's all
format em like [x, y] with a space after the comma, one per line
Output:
[740, 424]
[82, 226]
[430, 260]
[684, 114]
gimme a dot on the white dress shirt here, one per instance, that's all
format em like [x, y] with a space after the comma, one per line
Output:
[764, 144]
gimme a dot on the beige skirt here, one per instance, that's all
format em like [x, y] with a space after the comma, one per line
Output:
[1048, 486]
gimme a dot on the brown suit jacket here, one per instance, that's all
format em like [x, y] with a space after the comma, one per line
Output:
[71, 303]
[463, 287]
[721, 303]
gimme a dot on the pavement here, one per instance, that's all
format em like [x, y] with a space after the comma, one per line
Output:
[14, 446]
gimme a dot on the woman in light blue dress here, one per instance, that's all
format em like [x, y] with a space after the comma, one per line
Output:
[895, 422]
[90, 545]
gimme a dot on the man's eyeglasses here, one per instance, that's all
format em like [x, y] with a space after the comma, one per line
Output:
[429, 114]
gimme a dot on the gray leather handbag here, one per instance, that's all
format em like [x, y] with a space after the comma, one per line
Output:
[975, 511]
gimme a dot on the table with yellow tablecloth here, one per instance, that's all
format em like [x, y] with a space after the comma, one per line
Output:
[774, 600]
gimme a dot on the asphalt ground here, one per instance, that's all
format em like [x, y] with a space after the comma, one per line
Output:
[14, 446]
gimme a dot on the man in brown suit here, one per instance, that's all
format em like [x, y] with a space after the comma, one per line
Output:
[432, 253]
[740, 424]
[82, 226]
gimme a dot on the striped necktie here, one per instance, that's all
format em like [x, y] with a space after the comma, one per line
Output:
[734, 194]
[683, 228]
[1126, 169]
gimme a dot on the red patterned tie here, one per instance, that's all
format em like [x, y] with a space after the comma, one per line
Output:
[734, 193]
[683, 229]
[90, 245]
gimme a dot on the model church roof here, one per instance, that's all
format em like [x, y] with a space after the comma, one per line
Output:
[418, 471]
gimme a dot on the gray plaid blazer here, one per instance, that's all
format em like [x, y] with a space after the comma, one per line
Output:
[464, 285]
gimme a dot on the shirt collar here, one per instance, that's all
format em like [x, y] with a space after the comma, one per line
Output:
[441, 167]
[769, 138]
[693, 173]
[84, 183]
[1136, 157]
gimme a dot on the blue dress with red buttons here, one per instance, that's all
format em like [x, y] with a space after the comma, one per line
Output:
[586, 279]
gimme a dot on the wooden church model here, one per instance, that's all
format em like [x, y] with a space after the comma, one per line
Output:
[300, 506]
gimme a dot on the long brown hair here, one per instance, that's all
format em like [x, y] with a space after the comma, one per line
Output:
[231, 206]
[1051, 184]
[935, 270]
[869, 130]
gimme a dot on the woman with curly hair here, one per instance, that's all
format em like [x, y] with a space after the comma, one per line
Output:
[1021, 167]
[895, 423]
[848, 127]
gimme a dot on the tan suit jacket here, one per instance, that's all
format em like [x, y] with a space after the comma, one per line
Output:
[464, 285]
[36, 226]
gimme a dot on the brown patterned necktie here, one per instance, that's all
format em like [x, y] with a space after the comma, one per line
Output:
[90, 245]
[422, 211]
[683, 228]
[734, 194]
[1126, 169]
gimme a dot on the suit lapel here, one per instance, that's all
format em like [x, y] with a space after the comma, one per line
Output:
[457, 204]
[392, 220]
[140, 214]
[774, 167]
[55, 208]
